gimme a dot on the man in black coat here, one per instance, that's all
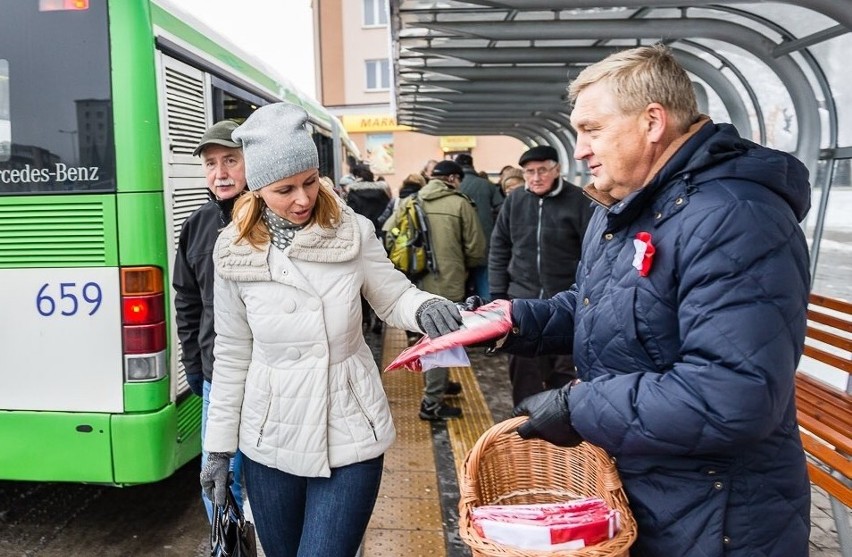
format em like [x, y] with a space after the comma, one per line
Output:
[224, 171]
[534, 252]
[486, 198]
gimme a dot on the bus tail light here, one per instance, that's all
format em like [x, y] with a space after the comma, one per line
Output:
[143, 326]
[142, 339]
[138, 310]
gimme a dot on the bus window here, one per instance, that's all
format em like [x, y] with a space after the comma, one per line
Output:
[5, 124]
[56, 125]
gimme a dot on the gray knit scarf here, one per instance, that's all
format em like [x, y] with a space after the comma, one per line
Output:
[281, 230]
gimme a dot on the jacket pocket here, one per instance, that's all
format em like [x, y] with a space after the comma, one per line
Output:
[263, 421]
[624, 350]
[362, 407]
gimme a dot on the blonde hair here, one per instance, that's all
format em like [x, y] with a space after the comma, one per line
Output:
[248, 214]
[641, 76]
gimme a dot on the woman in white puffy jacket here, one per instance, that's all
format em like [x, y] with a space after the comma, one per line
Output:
[295, 385]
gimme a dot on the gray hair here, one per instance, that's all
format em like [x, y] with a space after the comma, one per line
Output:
[641, 76]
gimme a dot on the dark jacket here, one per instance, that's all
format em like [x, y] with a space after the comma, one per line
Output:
[193, 283]
[536, 242]
[688, 372]
[369, 199]
[486, 198]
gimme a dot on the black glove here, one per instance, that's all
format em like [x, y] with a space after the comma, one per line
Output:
[214, 477]
[438, 316]
[196, 383]
[471, 303]
[550, 418]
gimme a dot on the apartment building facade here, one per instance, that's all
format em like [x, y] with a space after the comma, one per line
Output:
[354, 81]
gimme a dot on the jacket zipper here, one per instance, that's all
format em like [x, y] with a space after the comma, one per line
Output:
[263, 423]
[538, 248]
[361, 407]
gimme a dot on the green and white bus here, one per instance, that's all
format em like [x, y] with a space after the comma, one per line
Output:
[101, 105]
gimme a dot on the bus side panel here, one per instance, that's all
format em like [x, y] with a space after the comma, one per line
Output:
[55, 446]
[144, 445]
[148, 395]
[141, 230]
[189, 429]
[135, 112]
[149, 447]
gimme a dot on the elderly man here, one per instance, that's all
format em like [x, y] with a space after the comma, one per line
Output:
[224, 172]
[535, 250]
[687, 319]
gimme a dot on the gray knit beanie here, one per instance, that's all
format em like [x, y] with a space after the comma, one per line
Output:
[276, 144]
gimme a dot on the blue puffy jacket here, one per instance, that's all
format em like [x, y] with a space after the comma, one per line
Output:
[688, 372]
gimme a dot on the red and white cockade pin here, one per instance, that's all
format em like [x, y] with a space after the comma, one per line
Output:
[644, 253]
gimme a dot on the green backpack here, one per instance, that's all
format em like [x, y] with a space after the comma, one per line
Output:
[409, 243]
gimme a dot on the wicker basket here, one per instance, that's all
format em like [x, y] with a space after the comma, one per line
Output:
[504, 469]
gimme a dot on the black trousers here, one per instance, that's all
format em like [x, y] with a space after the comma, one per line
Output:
[534, 375]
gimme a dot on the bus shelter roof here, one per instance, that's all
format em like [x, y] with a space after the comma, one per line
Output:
[502, 66]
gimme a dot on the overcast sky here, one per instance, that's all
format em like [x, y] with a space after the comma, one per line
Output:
[280, 32]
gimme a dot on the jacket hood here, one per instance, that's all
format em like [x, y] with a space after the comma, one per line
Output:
[408, 189]
[436, 189]
[718, 152]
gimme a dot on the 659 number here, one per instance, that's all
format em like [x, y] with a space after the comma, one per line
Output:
[69, 297]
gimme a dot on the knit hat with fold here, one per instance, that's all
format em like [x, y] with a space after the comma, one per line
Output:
[276, 144]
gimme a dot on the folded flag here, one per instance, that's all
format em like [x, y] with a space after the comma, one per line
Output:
[549, 526]
[486, 323]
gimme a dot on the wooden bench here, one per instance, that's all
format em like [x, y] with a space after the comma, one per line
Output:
[824, 411]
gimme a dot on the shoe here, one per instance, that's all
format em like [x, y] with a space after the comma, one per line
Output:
[453, 389]
[438, 411]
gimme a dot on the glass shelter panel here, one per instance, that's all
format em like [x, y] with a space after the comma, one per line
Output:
[775, 102]
[834, 266]
[833, 56]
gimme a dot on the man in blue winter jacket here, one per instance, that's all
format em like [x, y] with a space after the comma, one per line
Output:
[687, 318]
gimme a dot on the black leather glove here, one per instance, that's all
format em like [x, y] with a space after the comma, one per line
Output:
[438, 316]
[550, 418]
[195, 381]
[214, 477]
[471, 303]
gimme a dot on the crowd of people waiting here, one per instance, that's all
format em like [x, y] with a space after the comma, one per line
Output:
[658, 312]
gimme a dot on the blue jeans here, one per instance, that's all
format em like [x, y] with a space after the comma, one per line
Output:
[477, 281]
[307, 517]
[236, 462]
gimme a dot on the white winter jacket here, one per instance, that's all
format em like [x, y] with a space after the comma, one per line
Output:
[295, 386]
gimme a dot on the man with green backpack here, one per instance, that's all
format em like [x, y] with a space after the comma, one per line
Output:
[435, 237]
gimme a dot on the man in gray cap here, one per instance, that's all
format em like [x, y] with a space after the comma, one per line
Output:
[535, 249]
[224, 171]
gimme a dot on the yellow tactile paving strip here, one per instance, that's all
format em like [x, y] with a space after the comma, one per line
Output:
[407, 518]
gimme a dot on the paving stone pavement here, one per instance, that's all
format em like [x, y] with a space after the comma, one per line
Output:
[824, 540]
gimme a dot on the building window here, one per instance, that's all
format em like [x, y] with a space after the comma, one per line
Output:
[378, 75]
[375, 13]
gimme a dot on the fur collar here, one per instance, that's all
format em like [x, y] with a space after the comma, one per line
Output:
[242, 262]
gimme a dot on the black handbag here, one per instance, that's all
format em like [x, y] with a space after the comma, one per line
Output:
[230, 534]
